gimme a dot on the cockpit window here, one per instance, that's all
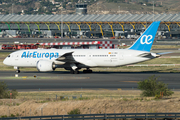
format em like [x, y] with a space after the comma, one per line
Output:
[8, 55]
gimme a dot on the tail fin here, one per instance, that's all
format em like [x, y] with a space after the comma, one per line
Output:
[145, 41]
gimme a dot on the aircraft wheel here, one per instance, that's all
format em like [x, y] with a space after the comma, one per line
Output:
[84, 71]
[76, 72]
[90, 71]
[87, 71]
[17, 71]
[72, 71]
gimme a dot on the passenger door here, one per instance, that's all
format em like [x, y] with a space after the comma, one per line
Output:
[121, 56]
[89, 56]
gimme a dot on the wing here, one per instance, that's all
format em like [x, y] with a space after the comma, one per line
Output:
[67, 58]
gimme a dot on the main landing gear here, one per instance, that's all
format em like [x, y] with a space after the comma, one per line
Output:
[87, 71]
[74, 72]
[77, 72]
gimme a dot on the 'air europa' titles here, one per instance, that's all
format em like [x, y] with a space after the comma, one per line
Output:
[36, 54]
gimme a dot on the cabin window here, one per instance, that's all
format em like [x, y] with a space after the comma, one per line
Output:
[8, 55]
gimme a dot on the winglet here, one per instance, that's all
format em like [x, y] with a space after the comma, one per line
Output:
[145, 41]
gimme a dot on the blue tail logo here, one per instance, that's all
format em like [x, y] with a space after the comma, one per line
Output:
[145, 41]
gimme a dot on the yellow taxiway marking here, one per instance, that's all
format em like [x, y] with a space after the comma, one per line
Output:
[24, 77]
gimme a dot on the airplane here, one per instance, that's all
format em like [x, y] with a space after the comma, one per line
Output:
[75, 59]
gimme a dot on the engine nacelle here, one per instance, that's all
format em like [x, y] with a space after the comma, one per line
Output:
[45, 65]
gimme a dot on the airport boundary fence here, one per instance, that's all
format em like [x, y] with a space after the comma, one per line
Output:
[114, 116]
[55, 97]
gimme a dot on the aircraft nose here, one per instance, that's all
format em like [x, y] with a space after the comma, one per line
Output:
[6, 61]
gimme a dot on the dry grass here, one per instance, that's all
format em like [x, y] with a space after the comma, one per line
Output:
[120, 101]
[139, 69]
[90, 94]
[165, 46]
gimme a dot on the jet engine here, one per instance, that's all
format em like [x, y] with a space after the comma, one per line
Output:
[45, 65]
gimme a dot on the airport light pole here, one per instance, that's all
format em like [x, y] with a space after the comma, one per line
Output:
[153, 11]
[12, 8]
[119, 8]
[97, 8]
[61, 22]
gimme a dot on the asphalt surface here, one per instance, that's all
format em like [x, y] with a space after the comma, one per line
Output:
[114, 41]
[63, 80]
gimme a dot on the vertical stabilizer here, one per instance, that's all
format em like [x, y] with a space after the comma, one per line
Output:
[145, 41]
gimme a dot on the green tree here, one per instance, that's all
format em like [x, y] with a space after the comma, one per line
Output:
[19, 13]
[152, 87]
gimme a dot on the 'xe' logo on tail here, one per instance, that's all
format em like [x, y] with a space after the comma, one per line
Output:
[146, 39]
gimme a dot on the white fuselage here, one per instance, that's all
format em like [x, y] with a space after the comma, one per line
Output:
[75, 59]
[87, 57]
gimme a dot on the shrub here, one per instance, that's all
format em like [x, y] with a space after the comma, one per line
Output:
[3, 89]
[4, 93]
[152, 87]
[74, 112]
[158, 97]
[12, 115]
[61, 97]
[84, 98]
[4, 116]
[14, 93]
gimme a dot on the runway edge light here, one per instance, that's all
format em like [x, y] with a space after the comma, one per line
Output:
[16, 75]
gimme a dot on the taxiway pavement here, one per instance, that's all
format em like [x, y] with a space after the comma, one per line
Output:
[62, 80]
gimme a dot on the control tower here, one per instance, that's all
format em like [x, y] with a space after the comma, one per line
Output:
[81, 8]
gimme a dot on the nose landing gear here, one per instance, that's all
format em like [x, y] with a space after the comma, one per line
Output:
[17, 69]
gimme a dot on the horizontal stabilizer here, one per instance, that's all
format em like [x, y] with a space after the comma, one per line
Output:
[163, 53]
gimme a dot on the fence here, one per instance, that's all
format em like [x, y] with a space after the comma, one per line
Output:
[145, 116]
[53, 97]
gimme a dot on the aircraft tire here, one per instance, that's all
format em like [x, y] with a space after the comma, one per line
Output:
[87, 71]
[72, 71]
[90, 71]
[76, 72]
[84, 71]
[17, 71]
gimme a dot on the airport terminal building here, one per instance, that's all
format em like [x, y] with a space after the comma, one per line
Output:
[87, 25]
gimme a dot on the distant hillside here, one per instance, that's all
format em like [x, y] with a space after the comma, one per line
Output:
[135, 7]
[94, 6]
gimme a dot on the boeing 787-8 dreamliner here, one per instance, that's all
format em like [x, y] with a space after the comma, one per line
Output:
[76, 59]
